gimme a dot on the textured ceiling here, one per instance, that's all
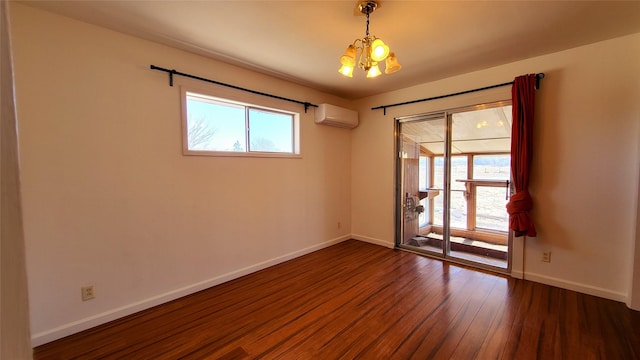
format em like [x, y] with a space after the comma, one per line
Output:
[301, 41]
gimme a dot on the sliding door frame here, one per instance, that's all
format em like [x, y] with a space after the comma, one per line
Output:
[447, 115]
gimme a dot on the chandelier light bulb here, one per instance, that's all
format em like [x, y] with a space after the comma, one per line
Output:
[379, 50]
[346, 70]
[374, 71]
[349, 57]
[391, 64]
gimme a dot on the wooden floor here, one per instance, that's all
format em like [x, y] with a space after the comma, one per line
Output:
[357, 300]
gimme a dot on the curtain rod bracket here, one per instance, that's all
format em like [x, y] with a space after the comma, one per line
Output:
[173, 71]
[539, 77]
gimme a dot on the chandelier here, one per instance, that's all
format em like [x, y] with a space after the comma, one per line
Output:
[371, 50]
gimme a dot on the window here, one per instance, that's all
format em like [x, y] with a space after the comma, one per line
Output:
[491, 196]
[458, 213]
[495, 167]
[479, 186]
[424, 168]
[221, 127]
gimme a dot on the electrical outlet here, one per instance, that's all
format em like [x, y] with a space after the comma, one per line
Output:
[546, 257]
[87, 293]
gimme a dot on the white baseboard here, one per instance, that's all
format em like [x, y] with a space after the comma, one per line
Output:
[99, 319]
[581, 288]
[517, 274]
[374, 241]
[102, 318]
[561, 283]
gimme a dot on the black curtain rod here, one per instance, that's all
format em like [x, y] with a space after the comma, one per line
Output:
[174, 72]
[539, 76]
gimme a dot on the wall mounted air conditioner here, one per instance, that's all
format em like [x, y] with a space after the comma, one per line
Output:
[332, 115]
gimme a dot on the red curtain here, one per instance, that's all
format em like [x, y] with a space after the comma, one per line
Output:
[523, 100]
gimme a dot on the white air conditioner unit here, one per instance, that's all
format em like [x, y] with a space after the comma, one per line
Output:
[332, 115]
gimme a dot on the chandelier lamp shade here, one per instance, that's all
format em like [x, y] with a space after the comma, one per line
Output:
[368, 52]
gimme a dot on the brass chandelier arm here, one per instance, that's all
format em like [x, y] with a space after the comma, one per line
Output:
[363, 47]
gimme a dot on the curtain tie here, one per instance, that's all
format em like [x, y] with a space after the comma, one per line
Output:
[520, 202]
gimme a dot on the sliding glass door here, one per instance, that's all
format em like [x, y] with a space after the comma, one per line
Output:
[420, 188]
[453, 182]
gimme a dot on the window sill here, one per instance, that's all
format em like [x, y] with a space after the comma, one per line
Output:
[241, 154]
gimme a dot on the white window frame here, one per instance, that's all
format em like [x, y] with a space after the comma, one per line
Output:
[190, 91]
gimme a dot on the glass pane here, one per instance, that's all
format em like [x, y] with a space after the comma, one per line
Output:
[214, 126]
[438, 172]
[492, 167]
[423, 181]
[491, 211]
[483, 136]
[424, 172]
[438, 212]
[270, 131]
[459, 167]
[458, 172]
[422, 144]
[458, 218]
[482, 131]
[458, 202]
[438, 182]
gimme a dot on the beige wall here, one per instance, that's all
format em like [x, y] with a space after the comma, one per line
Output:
[15, 342]
[110, 201]
[585, 166]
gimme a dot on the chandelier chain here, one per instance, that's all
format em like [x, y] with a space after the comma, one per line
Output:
[367, 32]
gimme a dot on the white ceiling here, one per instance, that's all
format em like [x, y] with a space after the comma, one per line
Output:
[301, 41]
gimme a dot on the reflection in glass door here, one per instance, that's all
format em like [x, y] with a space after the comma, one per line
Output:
[421, 185]
[453, 183]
